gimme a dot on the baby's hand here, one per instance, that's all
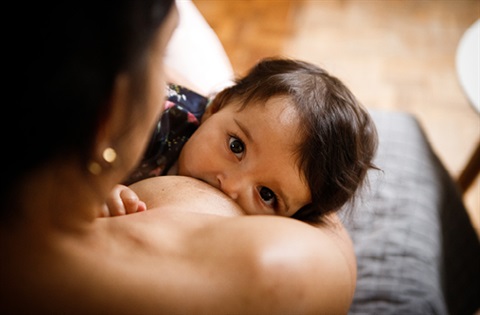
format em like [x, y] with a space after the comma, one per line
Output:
[122, 200]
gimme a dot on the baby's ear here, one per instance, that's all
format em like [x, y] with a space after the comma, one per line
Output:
[211, 109]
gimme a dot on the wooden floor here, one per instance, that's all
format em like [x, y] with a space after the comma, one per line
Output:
[394, 55]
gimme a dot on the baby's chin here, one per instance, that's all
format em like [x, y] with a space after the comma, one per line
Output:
[182, 168]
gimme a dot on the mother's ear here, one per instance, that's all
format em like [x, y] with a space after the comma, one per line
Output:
[111, 125]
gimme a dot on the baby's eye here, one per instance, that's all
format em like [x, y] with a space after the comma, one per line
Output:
[236, 146]
[268, 196]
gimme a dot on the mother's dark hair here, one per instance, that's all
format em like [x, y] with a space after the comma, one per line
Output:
[63, 59]
[339, 136]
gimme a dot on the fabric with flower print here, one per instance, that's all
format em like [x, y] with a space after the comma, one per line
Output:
[184, 109]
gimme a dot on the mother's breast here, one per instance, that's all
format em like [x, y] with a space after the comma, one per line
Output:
[184, 194]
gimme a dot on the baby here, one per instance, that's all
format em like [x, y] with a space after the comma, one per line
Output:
[287, 139]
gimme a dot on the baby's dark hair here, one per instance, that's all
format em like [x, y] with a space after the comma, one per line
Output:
[339, 136]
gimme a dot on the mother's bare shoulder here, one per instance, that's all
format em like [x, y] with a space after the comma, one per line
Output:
[281, 262]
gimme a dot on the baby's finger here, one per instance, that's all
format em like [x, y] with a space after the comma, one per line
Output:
[105, 211]
[131, 202]
[115, 206]
[114, 202]
[142, 206]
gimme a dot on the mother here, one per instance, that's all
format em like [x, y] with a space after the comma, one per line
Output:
[89, 99]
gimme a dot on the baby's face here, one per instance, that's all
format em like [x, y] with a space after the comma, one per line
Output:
[249, 155]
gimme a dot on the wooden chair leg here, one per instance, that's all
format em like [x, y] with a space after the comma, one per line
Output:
[470, 171]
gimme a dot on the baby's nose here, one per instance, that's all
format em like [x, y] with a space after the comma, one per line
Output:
[228, 186]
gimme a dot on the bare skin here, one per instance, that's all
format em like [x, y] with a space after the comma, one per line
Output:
[324, 256]
[152, 260]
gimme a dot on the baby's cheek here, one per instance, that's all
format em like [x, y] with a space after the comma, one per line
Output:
[182, 164]
[291, 212]
[190, 160]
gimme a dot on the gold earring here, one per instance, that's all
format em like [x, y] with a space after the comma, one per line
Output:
[109, 155]
[94, 168]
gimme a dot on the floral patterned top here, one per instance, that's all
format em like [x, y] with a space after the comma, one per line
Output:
[184, 109]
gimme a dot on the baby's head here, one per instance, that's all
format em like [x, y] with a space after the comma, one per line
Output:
[287, 139]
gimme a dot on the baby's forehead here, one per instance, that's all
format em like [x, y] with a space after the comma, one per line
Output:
[288, 114]
[280, 102]
[279, 108]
